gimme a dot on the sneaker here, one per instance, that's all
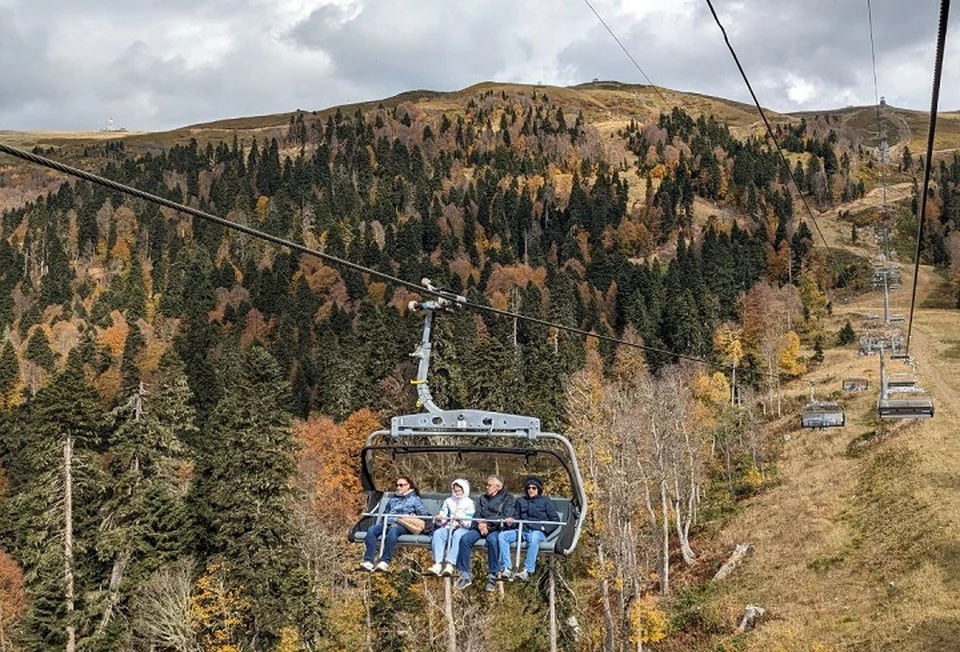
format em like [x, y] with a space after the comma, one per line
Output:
[463, 583]
[522, 576]
[436, 569]
[383, 567]
[367, 566]
[448, 570]
[491, 585]
[506, 575]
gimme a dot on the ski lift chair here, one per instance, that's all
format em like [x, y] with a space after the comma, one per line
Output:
[899, 407]
[436, 446]
[822, 414]
[855, 384]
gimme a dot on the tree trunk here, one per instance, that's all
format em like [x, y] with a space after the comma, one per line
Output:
[665, 533]
[448, 615]
[552, 590]
[68, 540]
[116, 576]
[3, 639]
[368, 638]
[609, 641]
[683, 533]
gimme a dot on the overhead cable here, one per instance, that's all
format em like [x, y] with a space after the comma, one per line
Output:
[776, 144]
[626, 52]
[931, 131]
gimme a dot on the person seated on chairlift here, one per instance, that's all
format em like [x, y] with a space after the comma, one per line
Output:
[454, 518]
[406, 500]
[532, 506]
[492, 508]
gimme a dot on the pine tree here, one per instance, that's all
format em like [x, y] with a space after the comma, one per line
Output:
[39, 351]
[240, 502]
[846, 334]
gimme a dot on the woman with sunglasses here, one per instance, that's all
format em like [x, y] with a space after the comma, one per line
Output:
[406, 500]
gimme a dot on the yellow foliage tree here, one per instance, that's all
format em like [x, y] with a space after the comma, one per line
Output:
[814, 301]
[263, 205]
[218, 612]
[328, 462]
[289, 640]
[728, 341]
[648, 623]
[791, 362]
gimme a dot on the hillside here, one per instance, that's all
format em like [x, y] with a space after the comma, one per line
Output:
[219, 387]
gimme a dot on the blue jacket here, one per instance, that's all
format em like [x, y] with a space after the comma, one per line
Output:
[408, 504]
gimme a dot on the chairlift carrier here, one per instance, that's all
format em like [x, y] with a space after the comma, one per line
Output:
[855, 384]
[821, 414]
[462, 435]
[902, 398]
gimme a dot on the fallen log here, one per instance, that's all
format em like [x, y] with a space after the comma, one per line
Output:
[734, 561]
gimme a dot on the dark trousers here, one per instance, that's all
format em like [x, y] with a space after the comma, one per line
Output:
[466, 548]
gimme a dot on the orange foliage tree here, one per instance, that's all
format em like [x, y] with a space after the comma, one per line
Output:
[13, 599]
[328, 462]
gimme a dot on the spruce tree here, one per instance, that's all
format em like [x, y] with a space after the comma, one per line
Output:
[144, 513]
[241, 501]
[9, 371]
[56, 508]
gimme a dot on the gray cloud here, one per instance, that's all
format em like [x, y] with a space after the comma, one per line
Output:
[71, 64]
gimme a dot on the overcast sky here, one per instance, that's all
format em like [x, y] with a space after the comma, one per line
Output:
[160, 64]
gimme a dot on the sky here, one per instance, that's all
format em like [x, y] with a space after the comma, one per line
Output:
[152, 65]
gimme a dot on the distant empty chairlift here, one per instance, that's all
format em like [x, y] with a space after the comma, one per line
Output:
[901, 397]
[821, 414]
[855, 384]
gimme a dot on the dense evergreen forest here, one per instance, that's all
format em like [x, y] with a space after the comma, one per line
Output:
[183, 405]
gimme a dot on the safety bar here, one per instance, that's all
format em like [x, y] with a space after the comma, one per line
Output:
[472, 519]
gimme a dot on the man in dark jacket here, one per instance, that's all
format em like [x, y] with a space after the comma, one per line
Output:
[494, 506]
[536, 514]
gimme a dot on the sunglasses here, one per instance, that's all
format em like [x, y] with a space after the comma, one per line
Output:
[532, 486]
[403, 484]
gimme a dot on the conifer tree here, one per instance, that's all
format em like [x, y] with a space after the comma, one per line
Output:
[58, 504]
[241, 500]
[9, 372]
[144, 515]
[39, 351]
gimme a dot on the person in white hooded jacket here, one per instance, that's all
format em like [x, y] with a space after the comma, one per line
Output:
[453, 520]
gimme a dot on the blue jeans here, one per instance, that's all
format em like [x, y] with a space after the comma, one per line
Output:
[441, 552]
[466, 551]
[371, 541]
[533, 538]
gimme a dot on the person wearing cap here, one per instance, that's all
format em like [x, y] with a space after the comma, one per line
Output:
[535, 511]
[454, 520]
[493, 506]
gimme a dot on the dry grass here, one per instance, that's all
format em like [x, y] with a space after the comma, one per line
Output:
[861, 551]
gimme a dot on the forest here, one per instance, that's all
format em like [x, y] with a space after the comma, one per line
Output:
[183, 405]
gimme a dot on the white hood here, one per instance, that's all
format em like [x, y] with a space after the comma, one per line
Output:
[465, 484]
